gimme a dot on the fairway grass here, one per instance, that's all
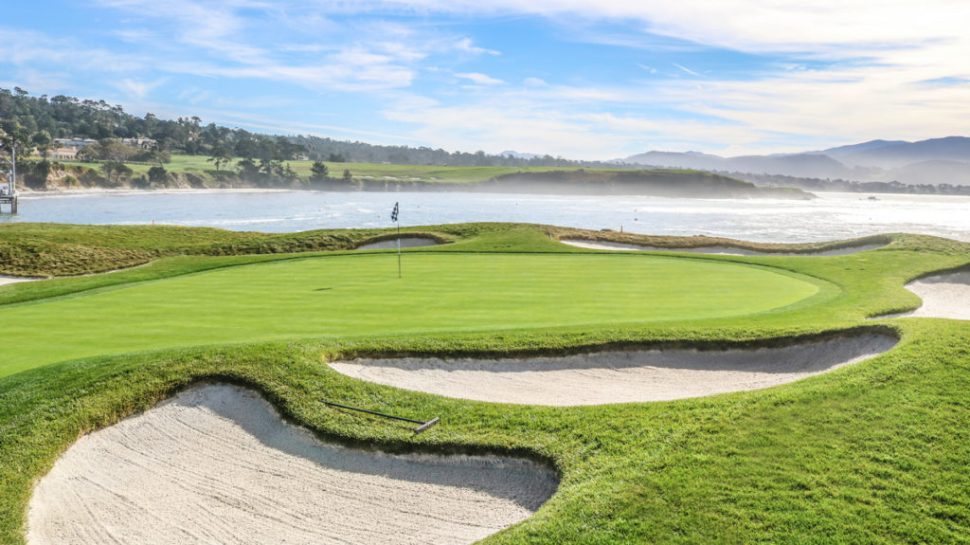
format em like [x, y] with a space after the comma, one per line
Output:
[200, 165]
[871, 453]
[354, 296]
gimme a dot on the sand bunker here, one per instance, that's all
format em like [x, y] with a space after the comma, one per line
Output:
[944, 296]
[718, 250]
[216, 464]
[4, 280]
[618, 376]
[406, 242]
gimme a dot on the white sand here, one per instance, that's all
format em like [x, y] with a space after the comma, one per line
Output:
[617, 376]
[718, 250]
[943, 295]
[4, 280]
[406, 242]
[217, 465]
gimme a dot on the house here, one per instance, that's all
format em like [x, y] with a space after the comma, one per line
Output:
[140, 143]
[63, 154]
[76, 143]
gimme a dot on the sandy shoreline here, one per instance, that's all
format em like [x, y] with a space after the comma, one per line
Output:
[95, 192]
[217, 465]
[617, 376]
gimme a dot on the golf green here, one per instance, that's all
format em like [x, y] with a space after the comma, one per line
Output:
[361, 295]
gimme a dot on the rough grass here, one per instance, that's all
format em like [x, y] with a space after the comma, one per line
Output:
[39, 249]
[700, 241]
[872, 453]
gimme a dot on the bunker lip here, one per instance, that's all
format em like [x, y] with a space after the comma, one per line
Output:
[408, 240]
[7, 280]
[663, 372]
[717, 249]
[944, 294]
[218, 460]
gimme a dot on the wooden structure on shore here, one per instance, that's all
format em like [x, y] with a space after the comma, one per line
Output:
[8, 203]
[8, 194]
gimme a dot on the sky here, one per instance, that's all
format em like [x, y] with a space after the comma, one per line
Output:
[581, 79]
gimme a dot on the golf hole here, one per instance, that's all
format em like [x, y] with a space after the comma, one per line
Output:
[217, 464]
[619, 376]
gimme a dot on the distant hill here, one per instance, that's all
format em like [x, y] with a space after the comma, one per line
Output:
[952, 172]
[952, 148]
[844, 153]
[935, 161]
[661, 183]
[806, 165]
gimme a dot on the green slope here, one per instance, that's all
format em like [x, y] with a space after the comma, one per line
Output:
[360, 295]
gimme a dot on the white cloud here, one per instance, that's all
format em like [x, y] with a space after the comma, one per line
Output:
[686, 70]
[479, 79]
[876, 58]
[468, 46]
[21, 47]
[138, 89]
[893, 69]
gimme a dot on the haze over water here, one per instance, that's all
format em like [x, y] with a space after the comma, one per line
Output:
[831, 216]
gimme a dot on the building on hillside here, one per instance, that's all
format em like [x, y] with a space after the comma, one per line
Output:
[76, 143]
[141, 143]
[81, 143]
[63, 154]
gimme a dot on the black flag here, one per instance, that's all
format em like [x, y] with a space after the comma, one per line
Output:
[394, 212]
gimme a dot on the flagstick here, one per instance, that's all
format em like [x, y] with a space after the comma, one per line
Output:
[399, 249]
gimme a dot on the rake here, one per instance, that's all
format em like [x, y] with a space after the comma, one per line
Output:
[422, 425]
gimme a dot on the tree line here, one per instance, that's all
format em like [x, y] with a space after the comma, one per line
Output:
[33, 122]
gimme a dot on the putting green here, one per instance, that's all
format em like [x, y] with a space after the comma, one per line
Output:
[349, 296]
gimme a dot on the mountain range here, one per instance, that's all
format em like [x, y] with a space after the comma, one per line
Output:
[934, 161]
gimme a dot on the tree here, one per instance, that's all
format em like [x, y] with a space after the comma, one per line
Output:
[248, 170]
[158, 175]
[14, 139]
[116, 168]
[221, 156]
[36, 174]
[156, 155]
[108, 149]
[42, 141]
[13, 136]
[319, 171]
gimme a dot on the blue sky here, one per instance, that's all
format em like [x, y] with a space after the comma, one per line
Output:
[594, 80]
